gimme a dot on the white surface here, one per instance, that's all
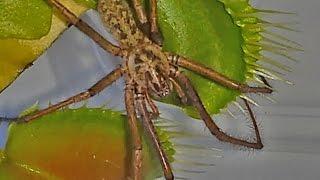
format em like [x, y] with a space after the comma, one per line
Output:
[290, 127]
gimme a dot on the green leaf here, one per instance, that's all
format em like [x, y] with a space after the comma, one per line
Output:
[24, 19]
[88, 3]
[17, 54]
[73, 144]
[31, 109]
[204, 31]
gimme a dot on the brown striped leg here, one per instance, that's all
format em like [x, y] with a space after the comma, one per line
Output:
[154, 29]
[211, 125]
[95, 89]
[86, 29]
[136, 156]
[152, 105]
[253, 119]
[149, 127]
[183, 97]
[215, 76]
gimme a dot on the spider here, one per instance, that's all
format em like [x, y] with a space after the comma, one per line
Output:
[150, 73]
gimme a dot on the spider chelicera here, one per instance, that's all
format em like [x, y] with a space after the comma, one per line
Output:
[149, 72]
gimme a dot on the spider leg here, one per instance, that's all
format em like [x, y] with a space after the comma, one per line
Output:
[136, 155]
[211, 125]
[155, 111]
[183, 97]
[141, 16]
[148, 26]
[253, 119]
[154, 29]
[149, 127]
[215, 76]
[86, 29]
[95, 89]
[265, 81]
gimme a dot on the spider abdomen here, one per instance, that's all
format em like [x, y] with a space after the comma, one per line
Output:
[118, 18]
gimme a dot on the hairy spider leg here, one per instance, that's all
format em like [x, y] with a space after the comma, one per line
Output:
[152, 105]
[92, 91]
[141, 17]
[183, 97]
[149, 26]
[151, 131]
[216, 76]
[136, 156]
[210, 124]
[86, 29]
[155, 31]
[253, 119]
[265, 81]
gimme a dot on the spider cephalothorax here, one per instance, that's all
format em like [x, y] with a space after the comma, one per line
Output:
[149, 72]
[148, 68]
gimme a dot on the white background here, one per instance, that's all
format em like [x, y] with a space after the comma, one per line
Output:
[291, 126]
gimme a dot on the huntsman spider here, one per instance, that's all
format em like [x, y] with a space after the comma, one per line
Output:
[150, 73]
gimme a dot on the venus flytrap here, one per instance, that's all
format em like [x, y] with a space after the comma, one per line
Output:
[217, 43]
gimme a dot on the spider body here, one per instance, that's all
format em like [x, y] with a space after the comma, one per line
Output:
[147, 65]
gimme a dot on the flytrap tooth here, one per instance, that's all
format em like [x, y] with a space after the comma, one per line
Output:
[194, 163]
[266, 46]
[269, 71]
[278, 25]
[230, 113]
[269, 61]
[190, 171]
[268, 98]
[179, 134]
[249, 100]
[182, 178]
[193, 153]
[196, 150]
[270, 76]
[277, 50]
[278, 36]
[287, 46]
[289, 82]
[283, 54]
[266, 75]
[166, 126]
[273, 49]
[163, 123]
[196, 147]
[256, 80]
[269, 11]
[165, 120]
[289, 23]
[239, 107]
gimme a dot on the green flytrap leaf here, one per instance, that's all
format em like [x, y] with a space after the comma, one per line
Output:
[88, 3]
[74, 144]
[24, 19]
[203, 31]
[18, 49]
[30, 19]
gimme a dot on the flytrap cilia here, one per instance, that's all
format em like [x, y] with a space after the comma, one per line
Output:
[199, 55]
